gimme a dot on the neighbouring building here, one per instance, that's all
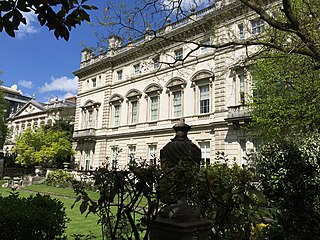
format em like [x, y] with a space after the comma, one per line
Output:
[130, 97]
[34, 114]
[13, 99]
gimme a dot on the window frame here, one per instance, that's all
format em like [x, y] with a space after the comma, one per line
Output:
[120, 75]
[136, 69]
[178, 54]
[257, 26]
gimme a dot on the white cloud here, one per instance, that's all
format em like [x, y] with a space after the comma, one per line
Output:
[62, 84]
[26, 84]
[29, 28]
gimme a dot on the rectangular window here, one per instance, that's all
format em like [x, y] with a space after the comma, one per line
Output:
[94, 82]
[116, 116]
[242, 90]
[152, 154]
[205, 49]
[87, 163]
[178, 54]
[134, 111]
[205, 153]
[177, 104]
[241, 31]
[90, 116]
[154, 108]
[132, 152]
[119, 75]
[257, 26]
[136, 69]
[114, 157]
[156, 62]
[243, 145]
[204, 99]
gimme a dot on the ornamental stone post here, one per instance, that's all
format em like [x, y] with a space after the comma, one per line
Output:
[179, 221]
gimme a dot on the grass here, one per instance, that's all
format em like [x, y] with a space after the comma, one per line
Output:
[50, 190]
[79, 224]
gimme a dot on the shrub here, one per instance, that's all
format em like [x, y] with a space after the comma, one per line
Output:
[59, 178]
[290, 176]
[36, 217]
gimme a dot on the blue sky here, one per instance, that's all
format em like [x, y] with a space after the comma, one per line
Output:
[39, 63]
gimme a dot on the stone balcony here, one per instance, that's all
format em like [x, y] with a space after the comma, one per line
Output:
[88, 134]
[238, 115]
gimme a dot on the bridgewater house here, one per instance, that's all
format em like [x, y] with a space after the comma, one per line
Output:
[130, 97]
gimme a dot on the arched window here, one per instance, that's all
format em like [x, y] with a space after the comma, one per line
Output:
[133, 97]
[153, 92]
[89, 113]
[203, 93]
[175, 89]
[115, 104]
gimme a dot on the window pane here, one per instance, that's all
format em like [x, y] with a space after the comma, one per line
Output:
[119, 75]
[257, 26]
[132, 152]
[90, 114]
[205, 153]
[178, 54]
[87, 167]
[152, 154]
[177, 107]
[136, 69]
[116, 115]
[154, 108]
[114, 155]
[134, 111]
[204, 99]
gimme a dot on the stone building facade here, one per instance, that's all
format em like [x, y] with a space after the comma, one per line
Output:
[130, 97]
[34, 114]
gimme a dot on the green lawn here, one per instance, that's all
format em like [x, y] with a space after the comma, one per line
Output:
[79, 224]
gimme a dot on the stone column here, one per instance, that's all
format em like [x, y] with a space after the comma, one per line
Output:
[179, 221]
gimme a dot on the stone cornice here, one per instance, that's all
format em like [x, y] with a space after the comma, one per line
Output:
[161, 41]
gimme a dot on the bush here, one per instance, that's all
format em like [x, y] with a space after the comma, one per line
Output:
[59, 178]
[36, 217]
[290, 176]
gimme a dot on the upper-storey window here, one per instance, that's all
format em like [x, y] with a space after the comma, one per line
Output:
[152, 92]
[137, 69]
[156, 62]
[178, 54]
[204, 98]
[115, 104]
[257, 26]
[205, 49]
[133, 97]
[177, 104]
[241, 31]
[94, 82]
[154, 104]
[202, 85]
[89, 114]
[176, 90]
[119, 75]
[134, 111]
[116, 115]
[241, 86]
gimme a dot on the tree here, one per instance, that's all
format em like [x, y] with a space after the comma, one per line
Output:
[287, 96]
[58, 15]
[3, 128]
[43, 147]
[63, 126]
[293, 23]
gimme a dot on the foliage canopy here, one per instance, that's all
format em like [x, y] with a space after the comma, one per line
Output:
[43, 147]
[58, 15]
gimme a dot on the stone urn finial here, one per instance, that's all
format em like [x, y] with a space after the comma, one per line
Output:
[180, 148]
